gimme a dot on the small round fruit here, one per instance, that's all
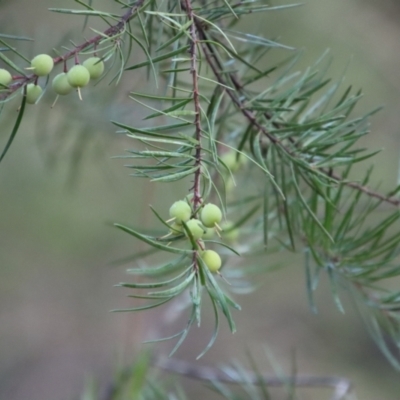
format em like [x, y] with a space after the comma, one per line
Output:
[176, 229]
[95, 67]
[211, 215]
[33, 92]
[212, 259]
[233, 160]
[209, 233]
[78, 76]
[5, 77]
[42, 64]
[194, 226]
[229, 232]
[181, 211]
[60, 84]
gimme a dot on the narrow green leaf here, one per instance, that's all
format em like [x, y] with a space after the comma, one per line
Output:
[15, 128]
[151, 241]
[159, 58]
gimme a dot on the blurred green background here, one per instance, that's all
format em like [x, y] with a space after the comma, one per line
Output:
[60, 189]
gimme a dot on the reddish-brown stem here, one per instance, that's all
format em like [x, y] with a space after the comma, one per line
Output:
[111, 31]
[216, 67]
[187, 6]
[196, 101]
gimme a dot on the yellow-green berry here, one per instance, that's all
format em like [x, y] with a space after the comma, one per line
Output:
[209, 233]
[78, 76]
[60, 84]
[181, 211]
[5, 77]
[33, 92]
[211, 215]
[233, 160]
[195, 228]
[42, 64]
[229, 232]
[95, 67]
[176, 229]
[212, 259]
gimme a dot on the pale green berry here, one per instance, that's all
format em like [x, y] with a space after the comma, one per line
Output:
[60, 84]
[95, 67]
[5, 77]
[181, 211]
[212, 259]
[42, 65]
[78, 76]
[229, 184]
[211, 215]
[195, 228]
[233, 160]
[229, 232]
[33, 93]
[209, 233]
[176, 229]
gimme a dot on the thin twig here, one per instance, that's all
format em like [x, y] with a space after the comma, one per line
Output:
[187, 6]
[341, 386]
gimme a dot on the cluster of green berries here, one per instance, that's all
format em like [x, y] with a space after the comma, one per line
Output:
[42, 65]
[210, 217]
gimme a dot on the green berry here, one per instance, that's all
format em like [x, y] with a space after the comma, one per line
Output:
[233, 160]
[95, 67]
[212, 259]
[60, 84]
[176, 229]
[181, 211]
[42, 64]
[209, 233]
[211, 215]
[196, 229]
[229, 232]
[33, 93]
[78, 76]
[5, 77]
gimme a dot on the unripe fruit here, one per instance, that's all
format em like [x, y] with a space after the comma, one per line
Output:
[212, 259]
[60, 84]
[194, 226]
[181, 211]
[5, 77]
[209, 233]
[176, 229]
[78, 76]
[211, 215]
[229, 232]
[233, 160]
[94, 66]
[33, 93]
[42, 65]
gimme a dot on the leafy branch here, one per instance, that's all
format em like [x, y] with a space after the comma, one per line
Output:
[222, 116]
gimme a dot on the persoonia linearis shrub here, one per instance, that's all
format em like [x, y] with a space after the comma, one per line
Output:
[224, 117]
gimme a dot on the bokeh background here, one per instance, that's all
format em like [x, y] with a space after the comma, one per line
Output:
[60, 189]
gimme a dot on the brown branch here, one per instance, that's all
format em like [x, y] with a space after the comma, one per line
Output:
[341, 386]
[187, 6]
[216, 67]
[111, 31]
